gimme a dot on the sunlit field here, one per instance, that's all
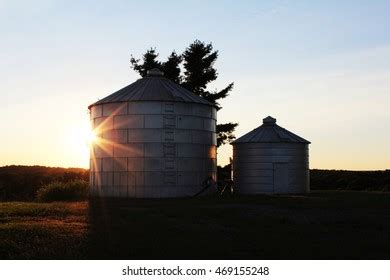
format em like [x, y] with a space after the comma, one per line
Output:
[31, 230]
[324, 224]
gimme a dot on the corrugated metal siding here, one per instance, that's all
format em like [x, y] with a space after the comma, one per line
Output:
[258, 155]
[152, 149]
[253, 167]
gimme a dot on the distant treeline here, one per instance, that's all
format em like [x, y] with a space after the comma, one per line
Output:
[321, 179]
[18, 182]
[350, 180]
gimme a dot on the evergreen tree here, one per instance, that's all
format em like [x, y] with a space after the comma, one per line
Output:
[149, 61]
[171, 67]
[198, 62]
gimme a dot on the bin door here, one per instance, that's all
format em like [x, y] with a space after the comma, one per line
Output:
[280, 177]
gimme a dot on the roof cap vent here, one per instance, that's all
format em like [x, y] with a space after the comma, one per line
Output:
[269, 121]
[155, 72]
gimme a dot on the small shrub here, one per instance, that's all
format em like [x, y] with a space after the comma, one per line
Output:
[60, 191]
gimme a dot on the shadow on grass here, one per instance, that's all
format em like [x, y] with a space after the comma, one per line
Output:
[323, 225]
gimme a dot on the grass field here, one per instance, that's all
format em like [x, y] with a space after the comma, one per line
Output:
[322, 225]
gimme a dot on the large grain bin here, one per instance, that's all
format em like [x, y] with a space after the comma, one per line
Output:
[271, 159]
[155, 139]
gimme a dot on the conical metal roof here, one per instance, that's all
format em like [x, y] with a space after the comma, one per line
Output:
[270, 132]
[153, 87]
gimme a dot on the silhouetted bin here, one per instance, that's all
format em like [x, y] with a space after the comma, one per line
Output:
[271, 159]
[156, 139]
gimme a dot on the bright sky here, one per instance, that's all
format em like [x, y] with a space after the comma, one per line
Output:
[321, 68]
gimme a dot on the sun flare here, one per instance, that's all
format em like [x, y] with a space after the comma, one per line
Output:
[82, 136]
[91, 137]
[79, 138]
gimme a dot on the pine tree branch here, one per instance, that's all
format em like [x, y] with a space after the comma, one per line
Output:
[214, 96]
[171, 67]
[198, 61]
[149, 61]
[225, 133]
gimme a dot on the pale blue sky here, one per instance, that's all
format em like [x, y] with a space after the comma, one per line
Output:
[321, 68]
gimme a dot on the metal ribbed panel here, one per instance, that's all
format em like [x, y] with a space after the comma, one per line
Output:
[255, 172]
[156, 139]
[270, 132]
[153, 89]
[271, 159]
[156, 149]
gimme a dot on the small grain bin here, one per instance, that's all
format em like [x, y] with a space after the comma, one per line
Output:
[271, 159]
[155, 139]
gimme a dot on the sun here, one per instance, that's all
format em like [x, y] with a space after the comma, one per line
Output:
[90, 137]
[82, 136]
[78, 139]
